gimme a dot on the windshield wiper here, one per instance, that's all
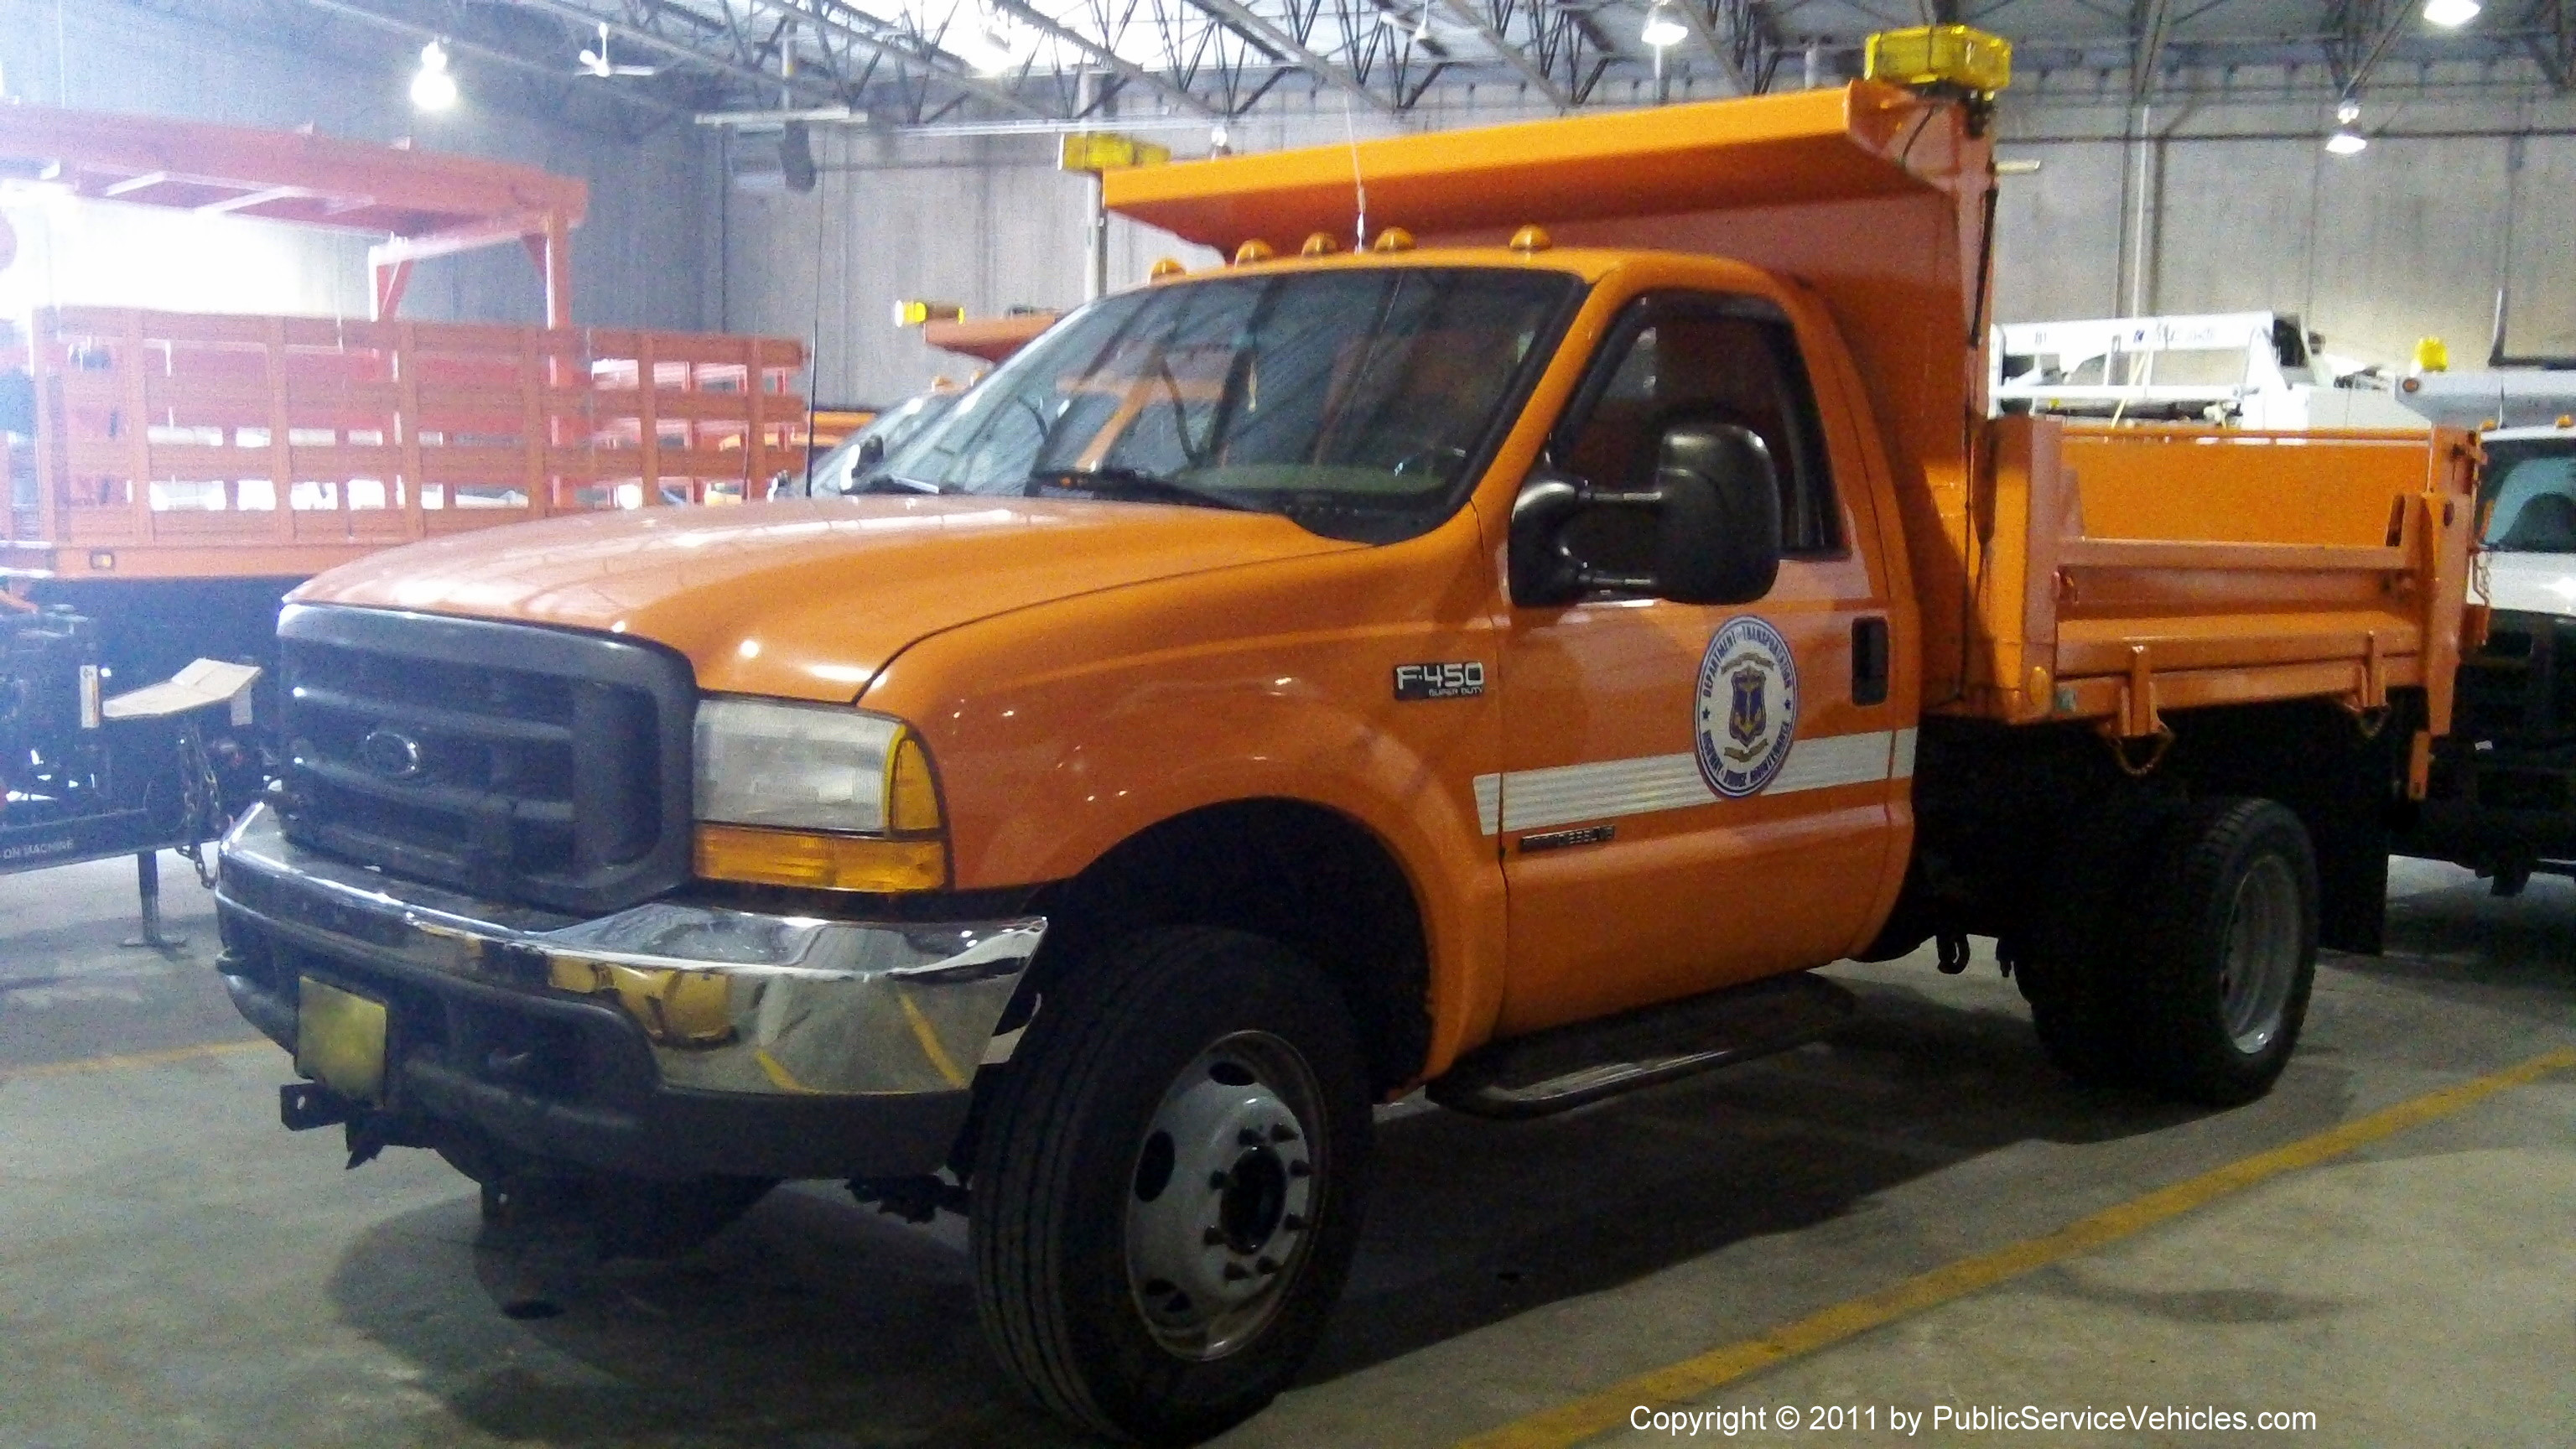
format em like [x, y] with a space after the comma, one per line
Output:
[1136, 483]
[888, 483]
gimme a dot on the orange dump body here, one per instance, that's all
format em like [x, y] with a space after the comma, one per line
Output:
[990, 338]
[2120, 572]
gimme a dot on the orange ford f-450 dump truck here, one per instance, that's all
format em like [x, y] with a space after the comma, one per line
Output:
[1504, 657]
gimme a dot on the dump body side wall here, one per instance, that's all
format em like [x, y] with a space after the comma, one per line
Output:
[2122, 572]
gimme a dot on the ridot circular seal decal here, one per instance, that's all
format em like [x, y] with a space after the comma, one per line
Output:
[1747, 707]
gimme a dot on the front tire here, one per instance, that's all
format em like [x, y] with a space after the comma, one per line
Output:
[1167, 1192]
[2225, 951]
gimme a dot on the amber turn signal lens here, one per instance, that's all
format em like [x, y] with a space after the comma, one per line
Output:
[820, 862]
[912, 801]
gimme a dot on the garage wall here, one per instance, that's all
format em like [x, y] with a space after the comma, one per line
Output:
[640, 260]
[988, 223]
[2233, 204]
[2242, 210]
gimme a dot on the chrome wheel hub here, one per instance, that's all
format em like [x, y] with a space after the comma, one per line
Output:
[2263, 935]
[1220, 1201]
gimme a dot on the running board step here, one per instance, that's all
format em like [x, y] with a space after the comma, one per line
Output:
[1568, 1066]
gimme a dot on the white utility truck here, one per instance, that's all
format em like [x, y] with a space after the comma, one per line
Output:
[2502, 797]
[2252, 369]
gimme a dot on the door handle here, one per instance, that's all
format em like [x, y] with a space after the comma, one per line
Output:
[1869, 660]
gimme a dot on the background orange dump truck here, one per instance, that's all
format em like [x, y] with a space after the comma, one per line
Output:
[1505, 656]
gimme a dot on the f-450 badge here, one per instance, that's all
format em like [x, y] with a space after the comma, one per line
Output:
[1747, 708]
[1462, 680]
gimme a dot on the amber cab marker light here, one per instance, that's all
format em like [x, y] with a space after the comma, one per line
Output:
[1393, 239]
[1321, 244]
[1255, 250]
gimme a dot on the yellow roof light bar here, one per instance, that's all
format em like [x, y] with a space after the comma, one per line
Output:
[1929, 57]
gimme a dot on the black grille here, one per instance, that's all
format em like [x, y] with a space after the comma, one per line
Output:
[2521, 687]
[515, 762]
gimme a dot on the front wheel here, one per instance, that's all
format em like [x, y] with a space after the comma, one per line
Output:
[1167, 1192]
[2225, 952]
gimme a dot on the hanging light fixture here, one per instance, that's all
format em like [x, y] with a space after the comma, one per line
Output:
[1663, 26]
[433, 89]
[2346, 141]
[2450, 14]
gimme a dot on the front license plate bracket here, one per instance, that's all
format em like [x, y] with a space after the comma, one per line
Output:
[340, 1040]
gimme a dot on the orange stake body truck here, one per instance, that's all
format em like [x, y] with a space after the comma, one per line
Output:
[1505, 656]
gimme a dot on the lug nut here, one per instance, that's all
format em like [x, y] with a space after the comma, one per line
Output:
[1283, 1134]
[1300, 1169]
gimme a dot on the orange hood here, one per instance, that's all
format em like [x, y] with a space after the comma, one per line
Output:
[809, 599]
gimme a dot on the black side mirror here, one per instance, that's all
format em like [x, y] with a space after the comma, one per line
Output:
[1720, 539]
[871, 450]
[1716, 502]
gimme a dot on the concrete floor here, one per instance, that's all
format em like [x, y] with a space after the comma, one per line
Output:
[176, 1270]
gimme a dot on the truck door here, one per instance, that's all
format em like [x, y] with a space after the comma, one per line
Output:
[1692, 797]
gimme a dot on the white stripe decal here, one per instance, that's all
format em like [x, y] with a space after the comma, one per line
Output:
[1820, 764]
[1607, 789]
[1536, 799]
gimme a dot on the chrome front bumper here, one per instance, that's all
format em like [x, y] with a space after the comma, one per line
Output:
[730, 1007]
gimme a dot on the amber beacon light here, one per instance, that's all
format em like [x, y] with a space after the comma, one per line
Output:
[1955, 57]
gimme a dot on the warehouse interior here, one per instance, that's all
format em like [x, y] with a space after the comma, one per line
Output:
[1916, 1222]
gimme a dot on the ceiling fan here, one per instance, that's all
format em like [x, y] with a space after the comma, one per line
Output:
[596, 62]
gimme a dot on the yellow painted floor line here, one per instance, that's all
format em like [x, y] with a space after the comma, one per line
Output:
[1594, 1414]
[79, 1065]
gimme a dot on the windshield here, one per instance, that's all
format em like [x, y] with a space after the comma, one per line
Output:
[838, 470]
[2530, 494]
[1356, 402]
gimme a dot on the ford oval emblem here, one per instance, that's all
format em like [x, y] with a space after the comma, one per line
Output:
[392, 755]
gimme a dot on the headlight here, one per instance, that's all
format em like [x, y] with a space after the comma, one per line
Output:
[815, 795]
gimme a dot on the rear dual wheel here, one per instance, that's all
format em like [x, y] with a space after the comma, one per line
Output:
[1167, 1192]
[2225, 951]
[2179, 956]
